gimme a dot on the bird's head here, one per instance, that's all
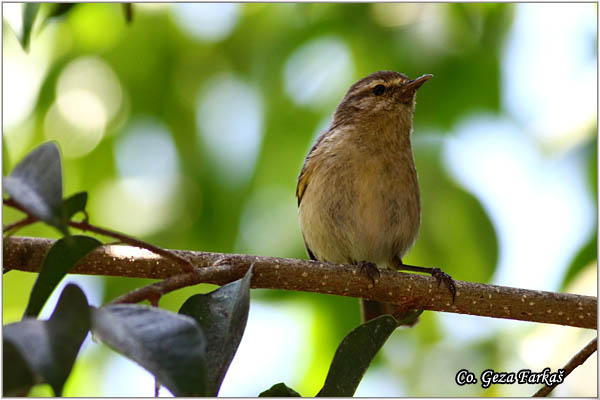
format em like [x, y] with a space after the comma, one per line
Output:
[381, 94]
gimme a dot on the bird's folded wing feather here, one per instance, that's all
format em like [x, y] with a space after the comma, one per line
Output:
[307, 170]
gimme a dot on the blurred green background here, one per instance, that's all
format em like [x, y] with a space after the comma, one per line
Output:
[189, 125]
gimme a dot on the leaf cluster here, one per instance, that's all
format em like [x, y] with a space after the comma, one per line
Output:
[188, 352]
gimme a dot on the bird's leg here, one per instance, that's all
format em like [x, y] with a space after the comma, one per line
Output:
[370, 269]
[439, 275]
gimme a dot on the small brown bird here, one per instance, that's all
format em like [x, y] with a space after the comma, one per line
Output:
[358, 194]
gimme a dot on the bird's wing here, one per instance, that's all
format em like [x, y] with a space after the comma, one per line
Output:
[304, 180]
[307, 170]
[308, 250]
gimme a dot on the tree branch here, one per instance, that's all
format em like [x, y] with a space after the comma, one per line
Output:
[86, 226]
[573, 363]
[417, 291]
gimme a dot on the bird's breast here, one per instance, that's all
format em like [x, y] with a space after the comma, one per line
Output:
[387, 210]
[361, 206]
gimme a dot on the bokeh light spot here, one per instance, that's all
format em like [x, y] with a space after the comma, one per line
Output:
[146, 150]
[96, 76]
[142, 201]
[396, 14]
[319, 71]
[75, 141]
[127, 205]
[88, 97]
[549, 71]
[272, 349]
[230, 120]
[22, 73]
[258, 234]
[207, 21]
[83, 109]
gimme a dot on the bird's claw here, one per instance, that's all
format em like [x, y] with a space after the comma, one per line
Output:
[370, 269]
[440, 276]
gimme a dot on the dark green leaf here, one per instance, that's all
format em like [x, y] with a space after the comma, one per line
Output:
[279, 390]
[30, 11]
[36, 184]
[52, 11]
[128, 12]
[168, 345]
[222, 314]
[60, 9]
[73, 205]
[50, 347]
[409, 318]
[586, 255]
[18, 379]
[61, 258]
[354, 354]
[5, 157]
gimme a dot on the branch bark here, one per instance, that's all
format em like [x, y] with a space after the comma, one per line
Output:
[86, 226]
[412, 290]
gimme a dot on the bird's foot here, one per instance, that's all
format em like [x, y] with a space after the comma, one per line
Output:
[370, 269]
[440, 276]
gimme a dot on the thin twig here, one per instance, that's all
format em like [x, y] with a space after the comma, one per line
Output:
[28, 220]
[573, 363]
[86, 226]
[158, 289]
[11, 203]
[420, 291]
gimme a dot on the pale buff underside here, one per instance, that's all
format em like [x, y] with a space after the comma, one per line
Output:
[362, 201]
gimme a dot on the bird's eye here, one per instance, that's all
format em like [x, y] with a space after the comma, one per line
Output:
[378, 90]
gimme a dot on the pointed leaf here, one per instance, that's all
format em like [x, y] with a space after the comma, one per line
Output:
[128, 12]
[61, 258]
[222, 315]
[279, 390]
[36, 184]
[55, 11]
[5, 156]
[409, 318]
[50, 347]
[586, 255]
[168, 345]
[60, 9]
[354, 355]
[72, 205]
[30, 11]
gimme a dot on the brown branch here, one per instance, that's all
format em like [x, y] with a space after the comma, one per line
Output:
[420, 291]
[573, 363]
[219, 273]
[86, 226]
[11, 203]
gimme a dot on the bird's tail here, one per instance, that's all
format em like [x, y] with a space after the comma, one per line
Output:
[372, 309]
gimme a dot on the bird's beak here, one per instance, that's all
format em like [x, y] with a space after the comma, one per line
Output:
[416, 83]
